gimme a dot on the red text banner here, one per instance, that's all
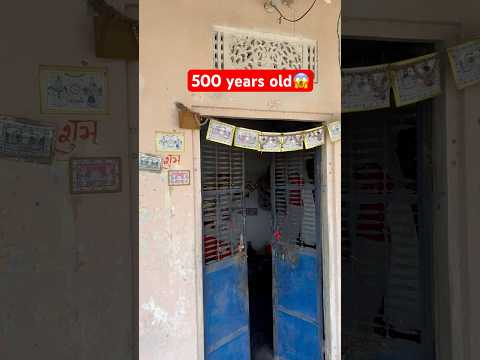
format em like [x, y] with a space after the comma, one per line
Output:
[250, 80]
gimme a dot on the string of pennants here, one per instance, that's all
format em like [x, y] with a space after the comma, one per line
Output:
[413, 80]
[231, 135]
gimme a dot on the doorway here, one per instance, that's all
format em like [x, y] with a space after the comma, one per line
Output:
[387, 252]
[263, 291]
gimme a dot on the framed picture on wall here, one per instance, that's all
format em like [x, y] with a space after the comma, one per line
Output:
[73, 90]
[95, 175]
[25, 139]
[169, 142]
[178, 177]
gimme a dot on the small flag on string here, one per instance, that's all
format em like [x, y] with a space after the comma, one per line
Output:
[465, 62]
[220, 132]
[416, 79]
[314, 137]
[293, 141]
[335, 130]
[270, 142]
[365, 88]
[247, 138]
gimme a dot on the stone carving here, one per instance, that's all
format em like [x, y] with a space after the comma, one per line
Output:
[247, 52]
[240, 49]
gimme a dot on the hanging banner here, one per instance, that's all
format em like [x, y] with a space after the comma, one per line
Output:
[266, 141]
[270, 142]
[365, 88]
[246, 138]
[335, 130]
[314, 138]
[220, 132]
[416, 79]
[465, 62]
[293, 141]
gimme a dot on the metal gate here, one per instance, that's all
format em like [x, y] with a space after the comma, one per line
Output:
[225, 266]
[385, 237]
[297, 260]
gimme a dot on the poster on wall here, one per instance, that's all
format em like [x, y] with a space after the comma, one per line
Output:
[293, 141]
[95, 175]
[25, 139]
[147, 162]
[169, 142]
[416, 80]
[465, 62]
[220, 132]
[73, 90]
[246, 138]
[365, 88]
[178, 177]
[314, 138]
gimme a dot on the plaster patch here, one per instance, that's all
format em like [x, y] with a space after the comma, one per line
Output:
[168, 323]
[144, 215]
[159, 315]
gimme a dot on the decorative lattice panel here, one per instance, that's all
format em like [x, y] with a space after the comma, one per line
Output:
[240, 49]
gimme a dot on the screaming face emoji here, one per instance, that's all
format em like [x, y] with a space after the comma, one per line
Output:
[301, 81]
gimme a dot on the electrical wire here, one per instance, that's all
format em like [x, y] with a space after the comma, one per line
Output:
[293, 20]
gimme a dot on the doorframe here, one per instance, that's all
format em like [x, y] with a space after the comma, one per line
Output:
[331, 224]
[449, 240]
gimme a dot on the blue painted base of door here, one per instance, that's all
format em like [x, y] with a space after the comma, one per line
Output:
[226, 310]
[298, 321]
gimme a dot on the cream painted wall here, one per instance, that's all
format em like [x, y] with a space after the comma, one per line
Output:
[176, 36]
[65, 261]
[461, 144]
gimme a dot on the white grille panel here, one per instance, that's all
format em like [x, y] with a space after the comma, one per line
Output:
[240, 49]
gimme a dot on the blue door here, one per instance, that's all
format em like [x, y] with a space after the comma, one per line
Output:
[297, 267]
[226, 315]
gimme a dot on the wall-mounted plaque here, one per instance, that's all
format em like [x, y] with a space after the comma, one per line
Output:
[73, 90]
[178, 177]
[95, 175]
[25, 139]
[147, 162]
[169, 142]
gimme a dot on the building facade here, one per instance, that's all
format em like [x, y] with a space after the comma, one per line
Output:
[171, 271]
